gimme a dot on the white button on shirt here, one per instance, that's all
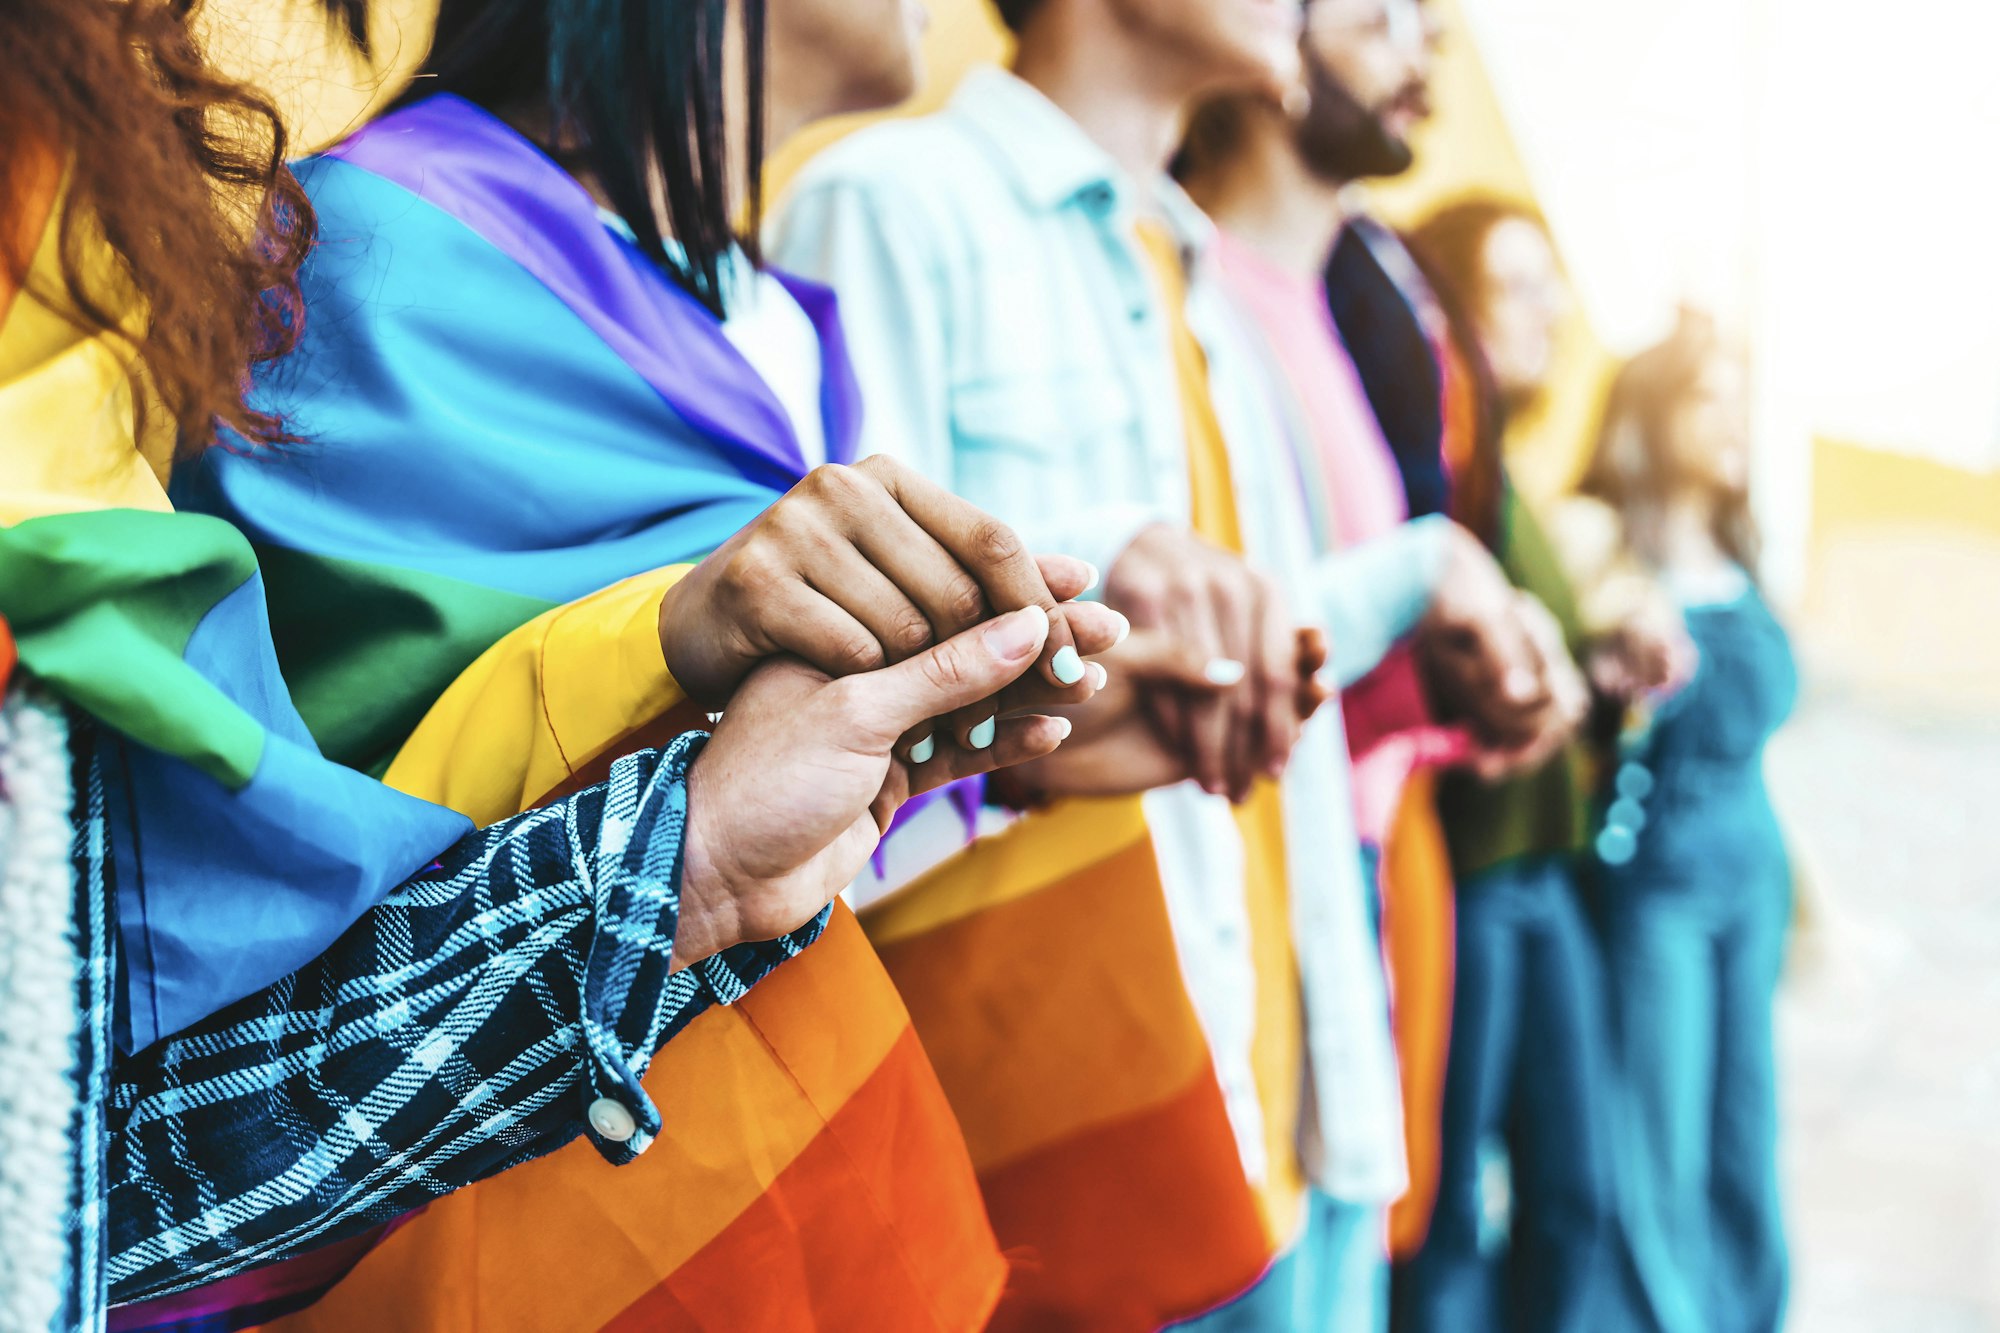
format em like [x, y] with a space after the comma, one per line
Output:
[612, 1120]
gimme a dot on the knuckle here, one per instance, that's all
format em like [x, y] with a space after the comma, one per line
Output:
[964, 602]
[857, 652]
[910, 632]
[994, 543]
[755, 571]
[1145, 589]
[835, 482]
[945, 670]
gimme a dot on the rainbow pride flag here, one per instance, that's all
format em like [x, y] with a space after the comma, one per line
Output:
[514, 420]
[1042, 972]
[240, 851]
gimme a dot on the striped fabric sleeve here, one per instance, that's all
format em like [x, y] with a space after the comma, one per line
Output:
[489, 1011]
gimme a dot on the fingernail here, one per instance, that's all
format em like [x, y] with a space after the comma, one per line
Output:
[981, 736]
[1124, 628]
[1099, 677]
[1067, 666]
[1095, 577]
[1062, 726]
[1223, 671]
[1017, 634]
[921, 752]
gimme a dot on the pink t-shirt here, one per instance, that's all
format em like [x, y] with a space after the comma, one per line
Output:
[1355, 494]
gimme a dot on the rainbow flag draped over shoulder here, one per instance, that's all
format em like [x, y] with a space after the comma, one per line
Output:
[240, 851]
[510, 409]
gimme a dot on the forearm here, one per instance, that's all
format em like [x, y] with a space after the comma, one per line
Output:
[487, 1013]
[1373, 595]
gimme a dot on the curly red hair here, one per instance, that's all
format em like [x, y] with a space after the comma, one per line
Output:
[182, 172]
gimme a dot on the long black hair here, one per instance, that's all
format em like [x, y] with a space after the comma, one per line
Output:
[632, 90]
[353, 16]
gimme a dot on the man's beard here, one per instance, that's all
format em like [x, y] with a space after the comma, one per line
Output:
[1342, 140]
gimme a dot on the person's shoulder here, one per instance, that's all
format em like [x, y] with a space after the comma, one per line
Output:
[932, 166]
[906, 150]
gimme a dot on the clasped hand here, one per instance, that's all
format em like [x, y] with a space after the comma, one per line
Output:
[834, 632]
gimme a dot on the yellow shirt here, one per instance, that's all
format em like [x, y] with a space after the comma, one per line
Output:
[1278, 1049]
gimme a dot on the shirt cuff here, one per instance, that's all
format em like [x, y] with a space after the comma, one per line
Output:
[1373, 594]
[633, 1001]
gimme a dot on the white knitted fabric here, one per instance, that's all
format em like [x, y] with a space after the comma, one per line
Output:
[38, 1014]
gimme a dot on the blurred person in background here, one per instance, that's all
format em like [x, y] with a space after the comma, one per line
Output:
[1273, 181]
[1039, 319]
[261, 976]
[1521, 1232]
[1697, 884]
[1368, 65]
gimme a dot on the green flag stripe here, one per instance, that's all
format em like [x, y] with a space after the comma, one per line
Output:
[102, 604]
[369, 648]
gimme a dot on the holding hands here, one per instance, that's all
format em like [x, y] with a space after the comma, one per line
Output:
[834, 632]
[861, 567]
[791, 794]
[1226, 696]
[1493, 659]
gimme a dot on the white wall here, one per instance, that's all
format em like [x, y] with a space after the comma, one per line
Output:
[1820, 172]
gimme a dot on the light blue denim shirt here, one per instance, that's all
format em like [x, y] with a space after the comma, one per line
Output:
[1001, 321]
[1011, 342]
[1000, 318]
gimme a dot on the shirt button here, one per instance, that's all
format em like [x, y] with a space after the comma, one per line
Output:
[612, 1121]
[1626, 813]
[1635, 781]
[1617, 846]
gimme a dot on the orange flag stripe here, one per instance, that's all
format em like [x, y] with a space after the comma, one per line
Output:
[1177, 1236]
[1056, 1010]
[756, 1278]
[1042, 974]
[569, 1242]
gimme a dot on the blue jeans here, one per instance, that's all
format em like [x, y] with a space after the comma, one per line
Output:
[1334, 1280]
[1693, 974]
[1525, 1199]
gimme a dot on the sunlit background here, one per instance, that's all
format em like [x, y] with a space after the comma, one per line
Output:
[1820, 173]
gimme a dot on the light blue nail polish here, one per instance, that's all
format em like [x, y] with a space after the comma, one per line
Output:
[1067, 666]
[981, 736]
[921, 752]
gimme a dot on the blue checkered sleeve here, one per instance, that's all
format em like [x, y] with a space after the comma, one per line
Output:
[486, 1013]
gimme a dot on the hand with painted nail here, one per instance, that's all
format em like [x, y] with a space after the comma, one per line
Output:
[1649, 653]
[1479, 655]
[790, 796]
[1567, 706]
[859, 567]
[1115, 749]
[1239, 722]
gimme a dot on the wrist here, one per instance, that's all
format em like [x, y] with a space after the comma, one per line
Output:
[708, 920]
[667, 619]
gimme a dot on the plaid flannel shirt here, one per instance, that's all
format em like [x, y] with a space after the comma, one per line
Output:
[486, 1013]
